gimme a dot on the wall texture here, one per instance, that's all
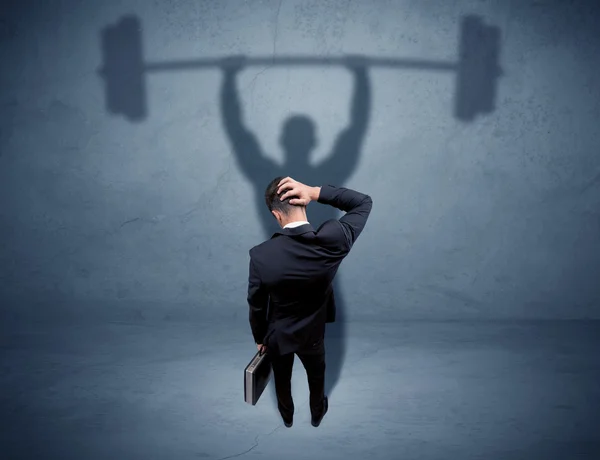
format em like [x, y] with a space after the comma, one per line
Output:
[497, 218]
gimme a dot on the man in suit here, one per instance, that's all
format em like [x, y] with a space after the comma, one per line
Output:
[291, 276]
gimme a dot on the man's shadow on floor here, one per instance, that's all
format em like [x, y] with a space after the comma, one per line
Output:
[298, 139]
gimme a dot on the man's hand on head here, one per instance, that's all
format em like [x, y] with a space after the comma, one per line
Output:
[303, 194]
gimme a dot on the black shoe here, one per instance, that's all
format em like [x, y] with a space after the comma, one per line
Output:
[317, 422]
[290, 423]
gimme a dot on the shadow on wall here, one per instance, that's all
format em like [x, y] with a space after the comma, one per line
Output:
[476, 70]
[476, 73]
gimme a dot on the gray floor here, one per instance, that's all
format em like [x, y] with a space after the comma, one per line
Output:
[415, 390]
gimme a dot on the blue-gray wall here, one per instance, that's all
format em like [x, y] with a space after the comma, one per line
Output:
[491, 219]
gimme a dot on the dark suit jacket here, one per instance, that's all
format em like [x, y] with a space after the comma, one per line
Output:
[291, 274]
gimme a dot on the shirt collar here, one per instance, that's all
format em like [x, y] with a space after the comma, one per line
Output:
[296, 224]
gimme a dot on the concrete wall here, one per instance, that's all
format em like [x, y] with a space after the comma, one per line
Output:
[497, 218]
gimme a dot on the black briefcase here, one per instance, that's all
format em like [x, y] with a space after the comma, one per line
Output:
[256, 377]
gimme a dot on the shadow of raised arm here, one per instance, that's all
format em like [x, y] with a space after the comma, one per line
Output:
[344, 158]
[245, 145]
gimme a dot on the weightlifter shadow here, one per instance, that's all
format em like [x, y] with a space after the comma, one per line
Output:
[298, 139]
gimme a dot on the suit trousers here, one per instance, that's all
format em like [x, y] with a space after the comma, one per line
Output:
[313, 360]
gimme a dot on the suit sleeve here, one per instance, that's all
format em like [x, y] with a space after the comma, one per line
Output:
[258, 301]
[356, 205]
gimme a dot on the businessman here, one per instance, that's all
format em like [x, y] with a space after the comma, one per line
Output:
[290, 291]
[299, 142]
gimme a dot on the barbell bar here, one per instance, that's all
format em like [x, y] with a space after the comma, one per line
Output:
[420, 64]
[477, 68]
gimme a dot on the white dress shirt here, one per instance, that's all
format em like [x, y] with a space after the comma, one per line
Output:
[296, 224]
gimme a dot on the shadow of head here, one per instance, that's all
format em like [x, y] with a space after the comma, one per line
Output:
[298, 139]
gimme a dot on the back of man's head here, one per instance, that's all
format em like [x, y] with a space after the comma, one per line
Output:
[272, 198]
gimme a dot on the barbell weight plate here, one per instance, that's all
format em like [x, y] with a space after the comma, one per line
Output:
[123, 71]
[478, 69]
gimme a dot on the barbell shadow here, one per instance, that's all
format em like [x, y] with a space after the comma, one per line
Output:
[477, 67]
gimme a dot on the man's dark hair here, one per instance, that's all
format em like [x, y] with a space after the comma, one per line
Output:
[273, 201]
